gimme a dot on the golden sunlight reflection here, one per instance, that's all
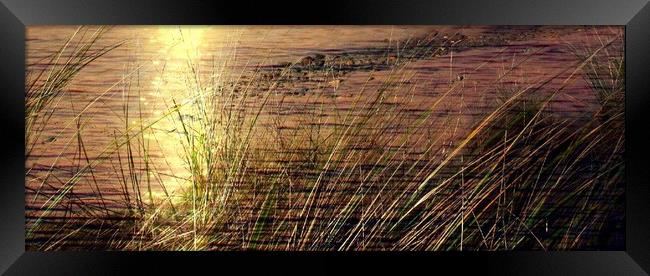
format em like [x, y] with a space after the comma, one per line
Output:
[174, 98]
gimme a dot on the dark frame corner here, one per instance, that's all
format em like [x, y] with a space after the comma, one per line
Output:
[634, 14]
[637, 100]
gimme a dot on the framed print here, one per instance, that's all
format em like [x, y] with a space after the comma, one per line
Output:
[387, 137]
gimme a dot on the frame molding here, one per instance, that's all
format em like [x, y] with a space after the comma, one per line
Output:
[634, 14]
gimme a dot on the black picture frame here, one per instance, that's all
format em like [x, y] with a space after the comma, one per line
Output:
[634, 14]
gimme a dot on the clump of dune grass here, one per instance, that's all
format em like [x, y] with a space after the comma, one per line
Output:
[46, 85]
[225, 191]
[605, 73]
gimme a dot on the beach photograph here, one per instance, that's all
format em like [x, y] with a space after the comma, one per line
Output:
[324, 138]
